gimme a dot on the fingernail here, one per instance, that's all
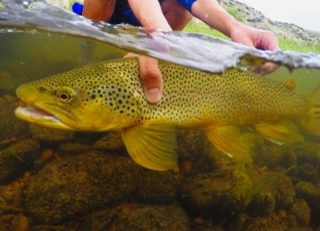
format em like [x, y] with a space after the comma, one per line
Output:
[153, 95]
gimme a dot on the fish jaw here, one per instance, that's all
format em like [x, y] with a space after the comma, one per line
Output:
[35, 115]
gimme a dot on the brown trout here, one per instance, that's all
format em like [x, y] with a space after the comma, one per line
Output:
[109, 97]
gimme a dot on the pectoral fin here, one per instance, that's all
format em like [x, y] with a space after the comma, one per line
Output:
[280, 132]
[228, 139]
[152, 146]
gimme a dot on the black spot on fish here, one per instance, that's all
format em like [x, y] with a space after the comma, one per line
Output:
[42, 89]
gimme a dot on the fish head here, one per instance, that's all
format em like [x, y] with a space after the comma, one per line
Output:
[79, 100]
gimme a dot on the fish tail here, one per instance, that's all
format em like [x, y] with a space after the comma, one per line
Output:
[311, 122]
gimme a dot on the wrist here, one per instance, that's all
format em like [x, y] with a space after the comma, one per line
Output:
[239, 28]
[234, 27]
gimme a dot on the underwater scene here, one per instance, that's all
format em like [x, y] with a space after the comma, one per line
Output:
[225, 149]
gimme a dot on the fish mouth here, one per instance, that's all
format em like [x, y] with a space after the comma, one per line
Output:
[34, 113]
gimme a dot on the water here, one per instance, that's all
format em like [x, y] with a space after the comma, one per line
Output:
[63, 180]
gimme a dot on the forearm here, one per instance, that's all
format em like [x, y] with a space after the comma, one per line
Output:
[210, 12]
[149, 14]
[100, 10]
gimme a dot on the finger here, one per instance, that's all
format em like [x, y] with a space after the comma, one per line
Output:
[265, 68]
[272, 42]
[267, 41]
[151, 78]
[131, 54]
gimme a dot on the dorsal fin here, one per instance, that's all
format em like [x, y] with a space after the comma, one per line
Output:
[291, 84]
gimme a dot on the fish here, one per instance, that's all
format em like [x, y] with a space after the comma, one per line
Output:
[108, 96]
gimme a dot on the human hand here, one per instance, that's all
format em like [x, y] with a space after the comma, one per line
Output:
[150, 76]
[260, 39]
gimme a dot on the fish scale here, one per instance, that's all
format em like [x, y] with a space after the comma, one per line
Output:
[109, 96]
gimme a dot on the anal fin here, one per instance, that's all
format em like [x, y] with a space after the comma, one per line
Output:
[228, 139]
[280, 132]
[152, 145]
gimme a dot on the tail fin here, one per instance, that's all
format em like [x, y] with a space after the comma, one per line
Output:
[312, 120]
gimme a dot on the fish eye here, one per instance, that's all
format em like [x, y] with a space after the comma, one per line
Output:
[65, 95]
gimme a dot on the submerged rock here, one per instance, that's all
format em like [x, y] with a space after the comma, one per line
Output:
[290, 221]
[270, 192]
[17, 158]
[49, 228]
[271, 156]
[110, 141]
[20, 223]
[221, 195]
[11, 126]
[71, 149]
[302, 212]
[11, 198]
[156, 187]
[136, 217]
[263, 203]
[73, 186]
[49, 134]
[4, 226]
[208, 228]
[219, 187]
[100, 220]
[306, 191]
[155, 218]
[190, 144]
[271, 223]
[308, 160]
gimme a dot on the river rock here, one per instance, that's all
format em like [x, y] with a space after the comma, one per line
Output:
[306, 190]
[4, 226]
[110, 141]
[302, 212]
[49, 134]
[136, 217]
[155, 218]
[270, 192]
[156, 187]
[17, 158]
[49, 228]
[261, 223]
[70, 149]
[73, 186]
[11, 126]
[217, 194]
